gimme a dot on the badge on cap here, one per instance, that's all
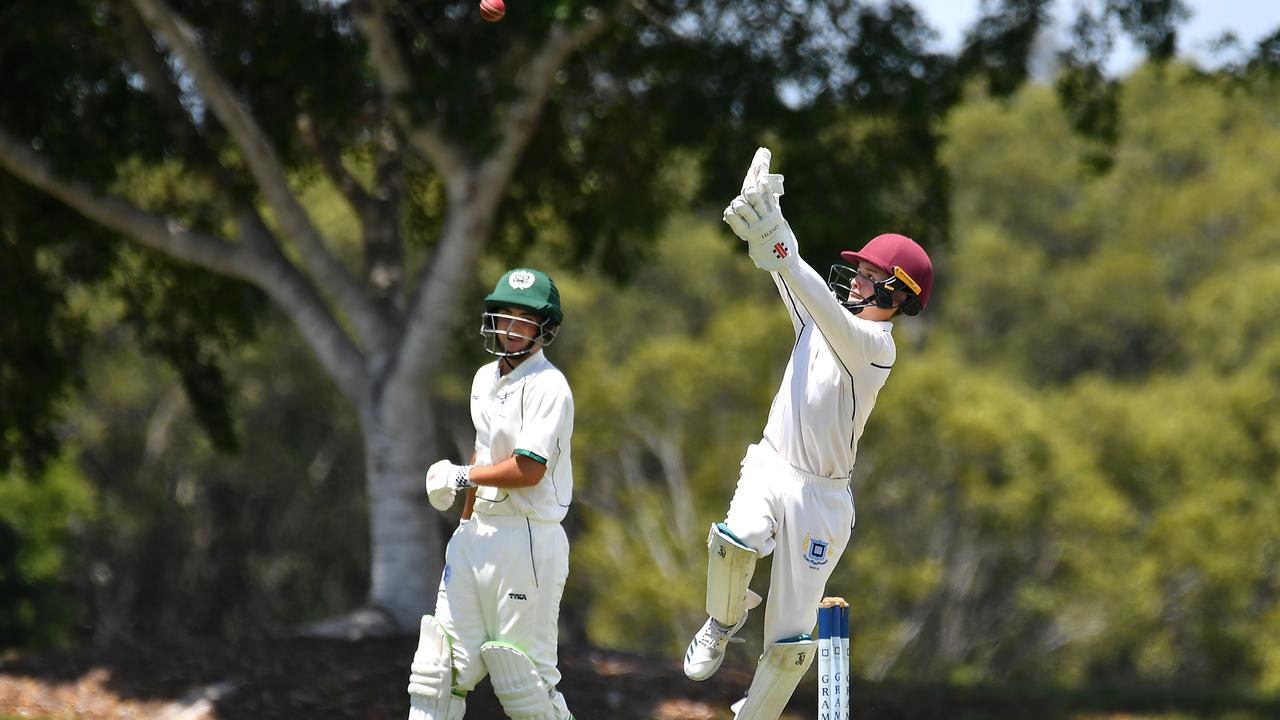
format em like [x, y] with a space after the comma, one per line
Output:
[520, 280]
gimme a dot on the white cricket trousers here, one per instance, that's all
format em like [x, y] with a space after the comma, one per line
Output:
[503, 578]
[805, 520]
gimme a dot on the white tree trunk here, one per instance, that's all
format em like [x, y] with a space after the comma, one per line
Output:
[406, 553]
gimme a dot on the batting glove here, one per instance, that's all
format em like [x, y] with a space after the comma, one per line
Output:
[444, 480]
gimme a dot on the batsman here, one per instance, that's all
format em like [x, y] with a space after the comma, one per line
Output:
[793, 497]
[498, 606]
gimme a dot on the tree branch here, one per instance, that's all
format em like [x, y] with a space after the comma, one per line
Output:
[331, 161]
[521, 116]
[146, 57]
[164, 234]
[142, 52]
[270, 272]
[384, 244]
[371, 20]
[644, 8]
[378, 208]
[473, 197]
[265, 165]
[396, 82]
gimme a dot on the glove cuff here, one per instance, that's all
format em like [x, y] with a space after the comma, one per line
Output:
[776, 252]
[462, 480]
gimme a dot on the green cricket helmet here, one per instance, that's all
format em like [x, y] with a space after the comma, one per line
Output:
[531, 290]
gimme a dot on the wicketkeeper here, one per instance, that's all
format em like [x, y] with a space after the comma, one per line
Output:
[793, 497]
[498, 607]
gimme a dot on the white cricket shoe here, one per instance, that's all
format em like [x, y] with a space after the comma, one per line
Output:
[706, 650]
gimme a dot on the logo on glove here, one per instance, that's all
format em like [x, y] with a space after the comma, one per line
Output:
[780, 250]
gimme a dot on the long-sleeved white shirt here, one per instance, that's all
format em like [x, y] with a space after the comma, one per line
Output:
[837, 367]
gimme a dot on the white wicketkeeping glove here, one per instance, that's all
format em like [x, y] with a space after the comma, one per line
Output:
[444, 480]
[756, 217]
[758, 175]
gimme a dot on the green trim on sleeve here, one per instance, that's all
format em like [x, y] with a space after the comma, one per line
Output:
[530, 455]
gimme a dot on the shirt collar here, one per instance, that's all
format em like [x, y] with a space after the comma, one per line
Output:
[886, 325]
[521, 370]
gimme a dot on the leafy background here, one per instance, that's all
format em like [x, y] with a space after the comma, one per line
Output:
[1072, 478]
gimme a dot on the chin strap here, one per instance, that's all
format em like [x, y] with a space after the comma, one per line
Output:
[857, 308]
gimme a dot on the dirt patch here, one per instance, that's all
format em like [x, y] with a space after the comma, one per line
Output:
[303, 678]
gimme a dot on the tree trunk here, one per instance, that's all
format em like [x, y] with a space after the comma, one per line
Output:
[382, 355]
[406, 553]
[406, 549]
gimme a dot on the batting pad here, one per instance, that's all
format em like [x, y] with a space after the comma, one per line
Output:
[431, 692]
[516, 682]
[730, 565]
[779, 671]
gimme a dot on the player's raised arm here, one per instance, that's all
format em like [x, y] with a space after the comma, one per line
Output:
[854, 342]
[756, 217]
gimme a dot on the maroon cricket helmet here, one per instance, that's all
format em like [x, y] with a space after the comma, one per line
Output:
[891, 250]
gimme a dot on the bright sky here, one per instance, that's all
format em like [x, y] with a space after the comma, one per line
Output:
[1250, 20]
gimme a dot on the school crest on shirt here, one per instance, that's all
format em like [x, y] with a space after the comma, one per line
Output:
[815, 552]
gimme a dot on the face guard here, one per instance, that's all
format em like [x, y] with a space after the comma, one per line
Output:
[842, 278]
[518, 328]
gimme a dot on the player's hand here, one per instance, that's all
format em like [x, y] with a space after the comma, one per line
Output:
[759, 179]
[444, 479]
[758, 220]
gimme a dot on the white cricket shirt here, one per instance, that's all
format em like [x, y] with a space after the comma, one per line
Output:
[836, 369]
[528, 411]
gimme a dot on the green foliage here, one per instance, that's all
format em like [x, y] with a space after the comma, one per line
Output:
[1237, 311]
[1072, 475]
[39, 519]
[975, 512]
[42, 337]
[1152, 22]
[1201, 491]
[1068, 245]
[187, 540]
[1032, 191]
[1131, 308]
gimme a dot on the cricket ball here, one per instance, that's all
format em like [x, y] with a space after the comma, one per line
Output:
[492, 10]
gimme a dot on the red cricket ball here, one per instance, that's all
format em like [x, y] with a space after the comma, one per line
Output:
[492, 10]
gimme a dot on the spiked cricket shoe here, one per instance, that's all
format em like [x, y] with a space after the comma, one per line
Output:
[706, 650]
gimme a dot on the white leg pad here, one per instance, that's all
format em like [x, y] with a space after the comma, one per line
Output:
[779, 671]
[730, 565]
[431, 692]
[523, 694]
